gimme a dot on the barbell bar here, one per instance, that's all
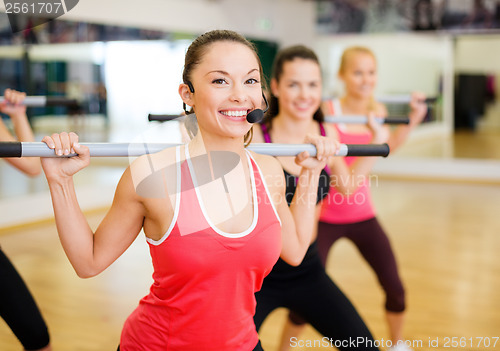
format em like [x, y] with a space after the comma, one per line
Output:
[401, 99]
[42, 101]
[162, 118]
[347, 119]
[360, 119]
[40, 149]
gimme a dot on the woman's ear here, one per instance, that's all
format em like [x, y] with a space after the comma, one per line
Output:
[186, 95]
[274, 87]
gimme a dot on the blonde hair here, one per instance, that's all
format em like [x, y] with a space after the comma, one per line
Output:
[347, 55]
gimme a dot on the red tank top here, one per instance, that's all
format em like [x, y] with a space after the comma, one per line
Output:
[338, 208]
[202, 297]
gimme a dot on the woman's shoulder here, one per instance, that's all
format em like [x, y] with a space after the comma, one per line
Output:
[331, 130]
[329, 106]
[268, 165]
[155, 160]
[380, 109]
[145, 169]
[272, 172]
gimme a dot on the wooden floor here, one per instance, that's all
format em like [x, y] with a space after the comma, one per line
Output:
[446, 237]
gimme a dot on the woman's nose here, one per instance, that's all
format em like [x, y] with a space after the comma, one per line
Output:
[238, 93]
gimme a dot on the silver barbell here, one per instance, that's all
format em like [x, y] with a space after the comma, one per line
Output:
[346, 119]
[401, 99]
[40, 149]
[361, 119]
[42, 101]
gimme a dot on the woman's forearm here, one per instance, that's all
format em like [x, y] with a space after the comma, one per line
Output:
[347, 179]
[22, 128]
[303, 209]
[74, 232]
[28, 165]
[399, 136]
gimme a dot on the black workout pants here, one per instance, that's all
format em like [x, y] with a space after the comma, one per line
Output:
[309, 291]
[375, 247]
[19, 310]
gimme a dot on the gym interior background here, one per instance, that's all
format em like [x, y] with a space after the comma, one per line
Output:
[122, 60]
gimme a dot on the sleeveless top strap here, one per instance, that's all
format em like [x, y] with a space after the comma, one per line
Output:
[322, 131]
[265, 132]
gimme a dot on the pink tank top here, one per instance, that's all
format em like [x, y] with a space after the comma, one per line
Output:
[202, 297]
[336, 207]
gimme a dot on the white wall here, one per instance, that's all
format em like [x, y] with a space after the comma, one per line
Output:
[477, 54]
[142, 77]
[287, 21]
[480, 54]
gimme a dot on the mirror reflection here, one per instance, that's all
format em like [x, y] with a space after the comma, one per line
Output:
[119, 75]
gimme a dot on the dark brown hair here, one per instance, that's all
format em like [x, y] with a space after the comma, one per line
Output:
[197, 50]
[283, 56]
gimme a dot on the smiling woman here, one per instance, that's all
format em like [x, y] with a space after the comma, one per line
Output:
[243, 85]
[295, 110]
[200, 232]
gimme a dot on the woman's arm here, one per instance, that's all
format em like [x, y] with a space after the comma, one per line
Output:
[89, 253]
[346, 179]
[303, 211]
[299, 219]
[12, 106]
[418, 111]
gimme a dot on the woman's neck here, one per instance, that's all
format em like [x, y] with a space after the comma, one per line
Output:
[355, 105]
[289, 129]
[203, 143]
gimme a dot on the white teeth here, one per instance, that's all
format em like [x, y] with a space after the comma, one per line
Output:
[303, 106]
[234, 113]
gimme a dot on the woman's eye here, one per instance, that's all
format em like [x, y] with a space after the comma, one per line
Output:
[219, 81]
[252, 81]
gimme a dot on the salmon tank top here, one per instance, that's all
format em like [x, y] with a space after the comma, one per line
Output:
[202, 297]
[338, 208]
